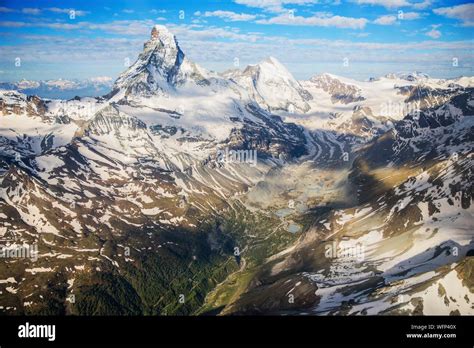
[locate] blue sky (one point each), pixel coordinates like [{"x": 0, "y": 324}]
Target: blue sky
[{"x": 373, "y": 37}]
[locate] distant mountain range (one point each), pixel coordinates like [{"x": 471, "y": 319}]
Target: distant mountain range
[
  {"x": 359, "y": 199},
  {"x": 62, "y": 89}
]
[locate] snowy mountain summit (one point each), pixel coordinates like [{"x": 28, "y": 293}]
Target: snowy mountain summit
[
  {"x": 272, "y": 86},
  {"x": 160, "y": 68}
]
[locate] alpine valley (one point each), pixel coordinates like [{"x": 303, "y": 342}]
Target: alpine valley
[{"x": 359, "y": 200}]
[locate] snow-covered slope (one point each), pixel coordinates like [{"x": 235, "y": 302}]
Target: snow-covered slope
[
  {"x": 272, "y": 86},
  {"x": 384, "y": 164},
  {"x": 166, "y": 117},
  {"x": 406, "y": 247}
]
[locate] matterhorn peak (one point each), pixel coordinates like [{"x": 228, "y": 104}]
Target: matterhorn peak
[
  {"x": 163, "y": 45},
  {"x": 161, "y": 35},
  {"x": 160, "y": 68},
  {"x": 159, "y": 30}
]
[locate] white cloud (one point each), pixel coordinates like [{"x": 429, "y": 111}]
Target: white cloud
[
  {"x": 128, "y": 11},
  {"x": 31, "y": 11},
  {"x": 385, "y": 3},
  {"x": 386, "y": 20},
  {"x": 422, "y": 5},
  {"x": 464, "y": 13},
  {"x": 392, "y": 19},
  {"x": 37, "y": 11},
  {"x": 274, "y": 5},
  {"x": 198, "y": 21},
  {"x": 14, "y": 24},
  {"x": 43, "y": 48},
  {"x": 434, "y": 33},
  {"x": 77, "y": 13},
  {"x": 142, "y": 28},
  {"x": 6, "y": 10},
  {"x": 123, "y": 27},
  {"x": 227, "y": 15},
  {"x": 318, "y": 20},
  {"x": 187, "y": 32},
  {"x": 391, "y": 4},
  {"x": 360, "y": 34},
  {"x": 411, "y": 16},
  {"x": 101, "y": 79}
]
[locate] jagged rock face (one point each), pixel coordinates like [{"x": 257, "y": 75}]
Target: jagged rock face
[
  {"x": 364, "y": 124},
  {"x": 13, "y": 103},
  {"x": 271, "y": 140},
  {"x": 426, "y": 135},
  {"x": 418, "y": 141},
  {"x": 426, "y": 97},
  {"x": 110, "y": 120},
  {"x": 340, "y": 92}
]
